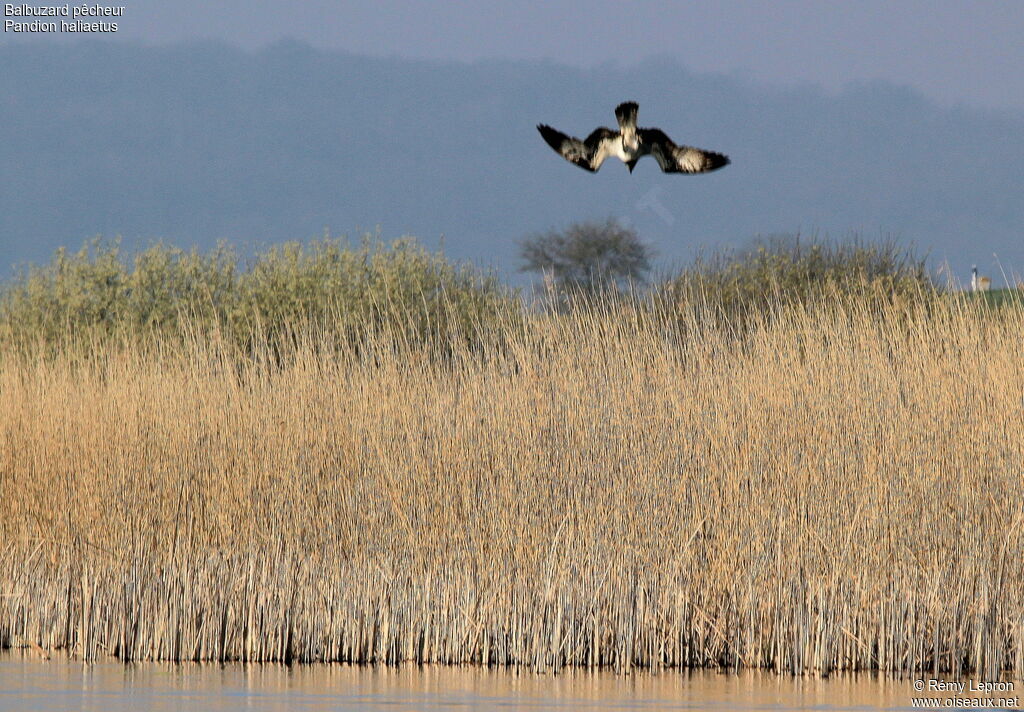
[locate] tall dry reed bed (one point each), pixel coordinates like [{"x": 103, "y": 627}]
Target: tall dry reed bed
[{"x": 834, "y": 487}]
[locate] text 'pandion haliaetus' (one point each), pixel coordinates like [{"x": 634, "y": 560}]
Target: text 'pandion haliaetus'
[{"x": 631, "y": 144}]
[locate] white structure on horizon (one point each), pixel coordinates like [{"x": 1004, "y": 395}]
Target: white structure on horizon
[{"x": 979, "y": 284}]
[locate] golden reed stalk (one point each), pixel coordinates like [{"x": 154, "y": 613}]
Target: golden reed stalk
[{"x": 831, "y": 488}]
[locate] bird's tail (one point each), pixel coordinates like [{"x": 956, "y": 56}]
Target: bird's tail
[{"x": 626, "y": 113}]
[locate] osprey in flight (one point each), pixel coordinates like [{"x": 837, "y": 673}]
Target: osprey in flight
[{"x": 631, "y": 144}]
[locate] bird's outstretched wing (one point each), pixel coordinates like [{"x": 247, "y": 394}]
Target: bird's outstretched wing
[
  {"x": 679, "y": 159},
  {"x": 588, "y": 154}
]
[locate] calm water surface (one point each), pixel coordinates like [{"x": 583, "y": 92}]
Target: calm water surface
[{"x": 29, "y": 683}]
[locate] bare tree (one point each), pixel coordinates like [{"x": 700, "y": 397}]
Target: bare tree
[{"x": 588, "y": 255}]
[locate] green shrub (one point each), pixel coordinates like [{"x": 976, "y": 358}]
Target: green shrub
[
  {"x": 401, "y": 287},
  {"x": 782, "y": 271},
  {"x": 341, "y": 289}
]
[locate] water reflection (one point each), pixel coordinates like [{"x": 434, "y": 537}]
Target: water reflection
[{"x": 28, "y": 683}]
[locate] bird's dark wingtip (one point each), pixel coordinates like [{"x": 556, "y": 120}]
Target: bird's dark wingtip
[{"x": 553, "y": 137}]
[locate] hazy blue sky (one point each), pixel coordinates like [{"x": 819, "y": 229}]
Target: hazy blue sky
[
  {"x": 952, "y": 50},
  {"x": 871, "y": 159}
]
